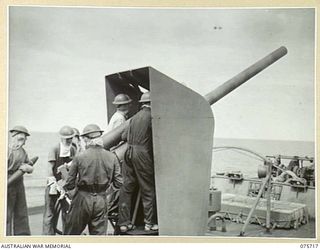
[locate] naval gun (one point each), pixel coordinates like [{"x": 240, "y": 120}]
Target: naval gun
[{"x": 182, "y": 140}]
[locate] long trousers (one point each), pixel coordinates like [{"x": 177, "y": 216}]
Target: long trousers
[
  {"x": 113, "y": 200},
  {"x": 87, "y": 209},
  {"x": 138, "y": 170},
  {"x": 17, "y": 213},
  {"x": 51, "y": 215}
]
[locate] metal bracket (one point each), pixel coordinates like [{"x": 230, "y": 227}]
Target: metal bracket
[{"x": 213, "y": 220}]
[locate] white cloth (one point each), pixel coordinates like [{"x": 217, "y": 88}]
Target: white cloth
[
  {"x": 52, "y": 184},
  {"x": 65, "y": 151},
  {"x": 96, "y": 142},
  {"x": 146, "y": 105},
  {"x": 116, "y": 120}
]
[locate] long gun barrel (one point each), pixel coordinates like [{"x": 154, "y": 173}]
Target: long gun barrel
[
  {"x": 245, "y": 75},
  {"x": 113, "y": 137}
]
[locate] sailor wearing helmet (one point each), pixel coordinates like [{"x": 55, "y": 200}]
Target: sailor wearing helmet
[
  {"x": 17, "y": 214},
  {"x": 123, "y": 103},
  {"x": 138, "y": 169},
  {"x": 60, "y": 154},
  {"x": 92, "y": 171}
]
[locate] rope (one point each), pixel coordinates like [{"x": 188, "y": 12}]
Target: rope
[
  {"x": 237, "y": 149},
  {"x": 259, "y": 156},
  {"x": 218, "y": 150},
  {"x": 250, "y": 156}
]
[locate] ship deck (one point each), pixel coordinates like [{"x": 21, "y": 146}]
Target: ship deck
[{"x": 306, "y": 231}]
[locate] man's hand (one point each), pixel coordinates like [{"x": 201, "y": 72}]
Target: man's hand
[
  {"x": 51, "y": 180},
  {"x": 62, "y": 194},
  {"x": 26, "y": 168},
  {"x": 59, "y": 187}
]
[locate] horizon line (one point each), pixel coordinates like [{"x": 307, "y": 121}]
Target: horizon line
[{"x": 237, "y": 138}]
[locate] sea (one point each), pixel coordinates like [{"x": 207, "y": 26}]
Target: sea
[{"x": 40, "y": 143}]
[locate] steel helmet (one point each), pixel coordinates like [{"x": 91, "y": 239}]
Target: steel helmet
[
  {"x": 92, "y": 129},
  {"x": 66, "y": 132},
  {"x": 20, "y": 129},
  {"x": 145, "y": 97},
  {"x": 121, "y": 99}
]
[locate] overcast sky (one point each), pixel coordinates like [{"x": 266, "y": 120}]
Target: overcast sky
[{"x": 58, "y": 58}]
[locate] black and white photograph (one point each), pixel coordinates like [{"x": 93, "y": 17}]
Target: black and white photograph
[{"x": 148, "y": 122}]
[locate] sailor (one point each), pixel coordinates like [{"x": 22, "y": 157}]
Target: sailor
[
  {"x": 294, "y": 164},
  {"x": 277, "y": 160},
  {"x": 138, "y": 169},
  {"x": 60, "y": 154},
  {"x": 277, "y": 167},
  {"x": 76, "y": 142},
  {"x": 17, "y": 214},
  {"x": 123, "y": 103},
  {"x": 95, "y": 170}
]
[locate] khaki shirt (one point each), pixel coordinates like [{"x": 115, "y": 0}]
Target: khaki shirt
[
  {"x": 95, "y": 166},
  {"x": 116, "y": 120}
]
